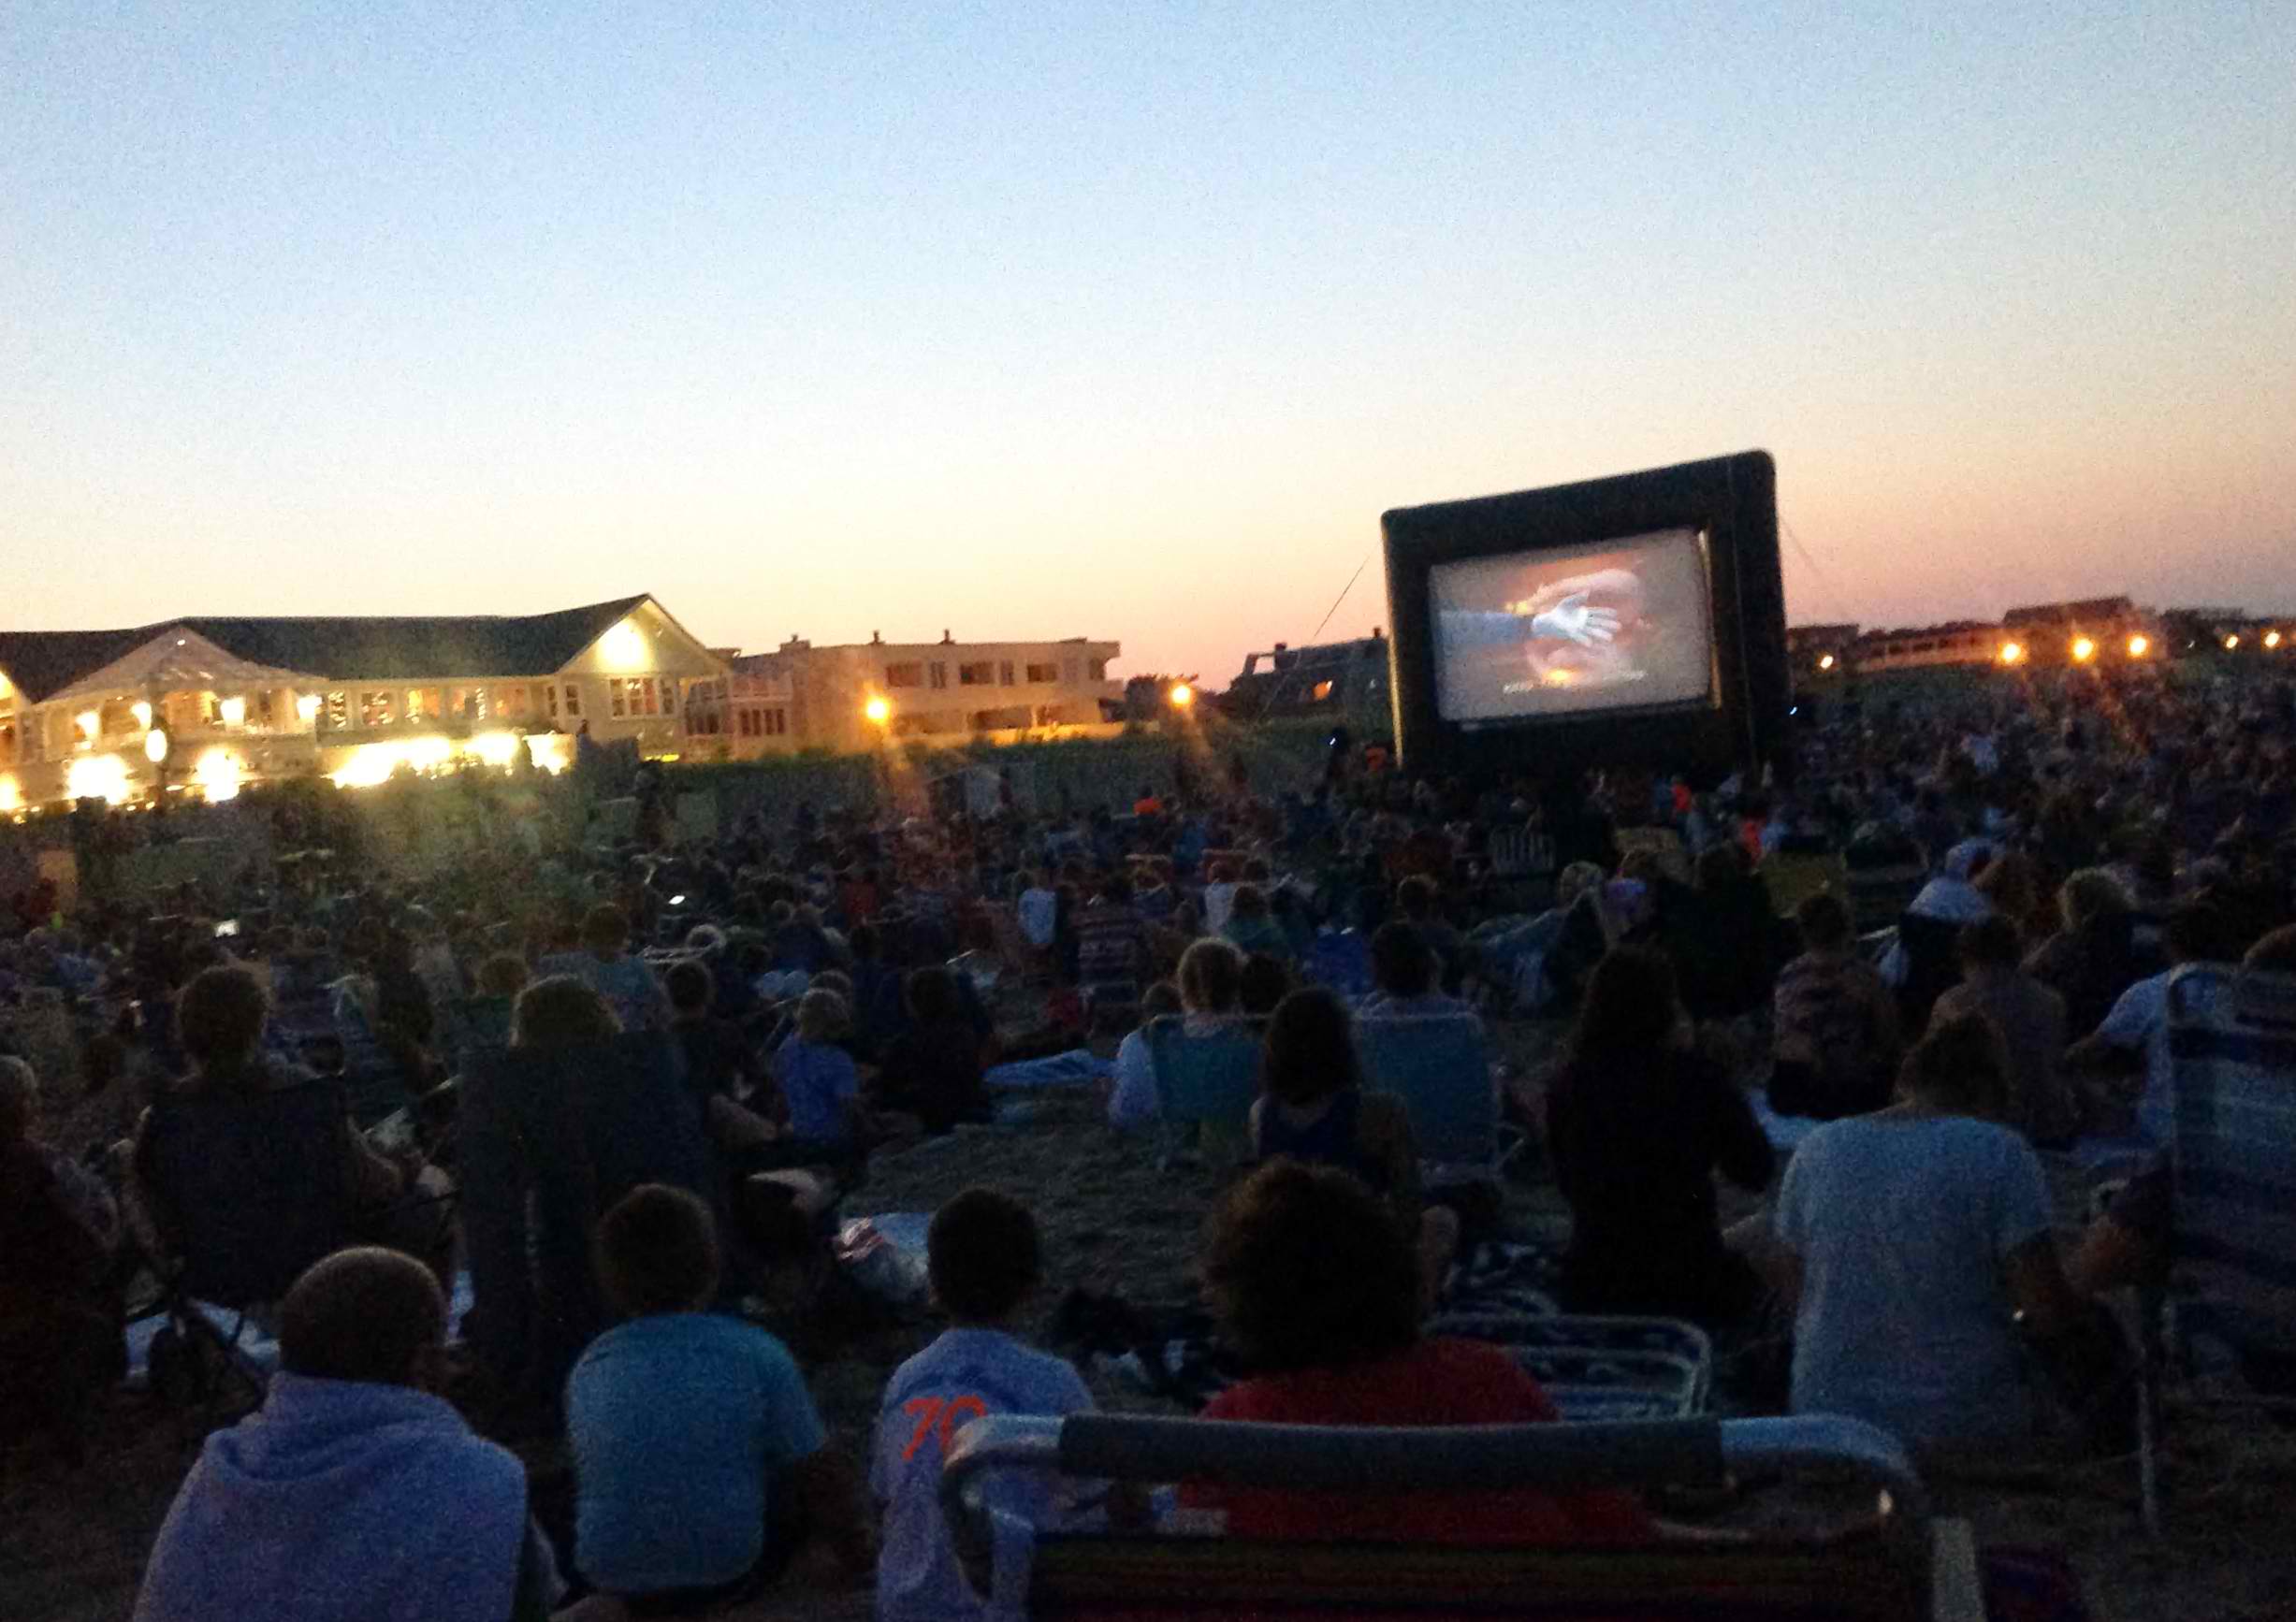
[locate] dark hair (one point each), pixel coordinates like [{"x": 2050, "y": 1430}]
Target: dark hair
[
  {"x": 1158, "y": 1000},
  {"x": 1992, "y": 940},
  {"x": 219, "y": 1018},
  {"x": 2197, "y": 933},
  {"x": 2274, "y": 954},
  {"x": 1310, "y": 1052},
  {"x": 1629, "y": 1009},
  {"x": 1304, "y": 1268},
  {"x": 1210, "y": 971},
  {"x": 865, "y": 940},
  {"x": 503, "y": 974},
  {"x": 1824, "y": 922},
  {"x": 1962, "y": 1064},
  {"x": 1250, "y": 902},
  {"x": 1116, "y": 886},
  {"x": 983, "y": 1255},
  {"x": 930, "y": 994},
  {"x": 1403, "y": 963},
  {"x": 688, "y": 985},
  {"x": 605, "y": 928},
  {"x": 1263, "y": 983},
  {"x": 656, "y": 1252},
  {"x": 365, "y": 1314},
  {"x": 1415, "y": 897},
  {"x": 561, "y": 1012}
]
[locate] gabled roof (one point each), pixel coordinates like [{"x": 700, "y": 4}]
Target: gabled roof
[{"x": 418, "y": 648}]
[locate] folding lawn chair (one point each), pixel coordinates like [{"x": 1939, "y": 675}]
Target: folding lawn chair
[
  {"x": 1600, "y": 1367},
  {"x": 2232, "y": 1176},
  {"x": 1205, "y": 1084},
  {"x": 1439, "y": 1067},
  {"x": 1910, "y": 1570}
]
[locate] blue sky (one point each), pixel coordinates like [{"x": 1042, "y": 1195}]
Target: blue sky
[{"x": 1125, "y": 321}]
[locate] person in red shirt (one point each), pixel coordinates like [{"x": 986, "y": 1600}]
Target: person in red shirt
[{"x": 1317, "y": 1289}]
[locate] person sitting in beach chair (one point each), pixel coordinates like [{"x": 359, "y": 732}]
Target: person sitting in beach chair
[{"x": 1313, "y": 1283}]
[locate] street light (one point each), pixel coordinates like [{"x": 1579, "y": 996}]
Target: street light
[
  {"x": 2012, "y": 653},
  {"x": 1181, "y": 695},
  {"x": 877, "y": 709},
  {"x": 2139, "y": 646},
  {"x": 1826, "y": 661},
  {"x": 155, "y": 746},
  {"x": 2082, "y": 650},
  {"x": 2272, "y": 639},
  {"x": 2230, "y": 643}
]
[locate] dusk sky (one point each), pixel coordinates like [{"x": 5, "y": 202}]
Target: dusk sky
[{"x": 1127, "y": 321}]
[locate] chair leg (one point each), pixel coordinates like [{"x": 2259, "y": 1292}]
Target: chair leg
[{"x": 2148, "y": 1451}]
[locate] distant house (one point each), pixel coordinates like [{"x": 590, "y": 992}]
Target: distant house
[
  {"x": 1346, "y": 681},
  {"x": 204, "y": 703}
]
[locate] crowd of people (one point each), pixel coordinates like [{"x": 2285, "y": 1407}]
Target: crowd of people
[{"x": 626, "y": 1084}]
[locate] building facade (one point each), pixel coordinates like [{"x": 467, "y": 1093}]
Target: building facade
[
  {"x": 853, "y": 696},
  {"x": 202, "y": 705}
]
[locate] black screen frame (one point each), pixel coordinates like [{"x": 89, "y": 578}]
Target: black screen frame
[{"x": 1731, "y": 500}]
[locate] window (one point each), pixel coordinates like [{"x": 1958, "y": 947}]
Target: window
[
  {"x": 911, "y": 674},
  {"x": 549, "y": 697},
  {"x": 669, "y": 695},
  {"x": 940, "y": 673},
  {"x": 510, "y": 702},
  {"x": 1043, "y": 672},
  {"x": 614, "y": 695},
  {"x": 573, "y": 699},
  {"x": 1004, "y": 673},
  {"x": 374, "y": 708},
  {"x": 337, "y": 710},
  {"x": 776, "y": 723},
  {"x": 980, "y": 673}
]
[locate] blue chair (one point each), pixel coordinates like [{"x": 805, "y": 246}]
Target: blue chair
[
  {"x": 1205, "y": 1084},
  {"x": 1339, "y": 961},
  {"x": 2233, "y": 1177},
  {"x": 1438, "y": 1066}
]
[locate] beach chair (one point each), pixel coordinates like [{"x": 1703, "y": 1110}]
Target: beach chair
[
  {"x": 2231, "y": 1296},
  {"x": 1595, "y": 1367},
  {"x": 255, "y": 1190},
  {"x": 1439, "y": 1067},
  {"x": 1910, "y": 1569},
  {"x": 1205, "y": 1084}
]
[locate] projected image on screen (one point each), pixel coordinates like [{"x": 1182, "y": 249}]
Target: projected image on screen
[{"x": 1621, "y": 624}]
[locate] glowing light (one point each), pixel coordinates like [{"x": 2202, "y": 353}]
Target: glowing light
[
  {"x": 11, "y": 797},
  {"x": 1826, "y": 661},
  {"x": 307, "y": 707},
  {"x": 2082, "y": 650},
  {"x": 2012, "y": 653},
  {"x": 494, "y": 749},
  {"x": 677, "y": 901},
  {"x": 551, "y": 751},
  {"x": 2230, "y": 643},
  {"x": 623, "y": 647},
  {"x": 234, "y": 712},
  {"x": 219, "y": 775},
  {"x": 1560, "y": 678},
  {"x": 90, "y": 725},
  {"x": 2139, "y": 646},
  {"x": 99, "y": 778},
  {"x": 143, "y": 712},
  {"x": 155, "y": 746},
  {"x": 877, "y": 709},
  {"x": 371, "y": 764},
  {"x": 2272, "y": 639},
  {"x": 1181, "y": 695}
]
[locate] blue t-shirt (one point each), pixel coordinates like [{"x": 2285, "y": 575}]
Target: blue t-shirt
[
  {"x": 1902, "y": 1224},
  {"x": 676, "y": 1419},
  {"x": 965, "y": 1375},
  {"x": 816, "y": 1079}
]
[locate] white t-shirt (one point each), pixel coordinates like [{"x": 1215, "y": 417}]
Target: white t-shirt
[
  {"x": 1901, "y": 1224},
  {"x": 965, "y": 1375},
  {"x": 2140, "y": 1019},
  {"x": 1219, "y": 901},
  {"x": 1133, "y": 1100},
  {"x": 1039, "y": 912}
]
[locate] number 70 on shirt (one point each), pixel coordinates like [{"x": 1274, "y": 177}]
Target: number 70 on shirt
[{"x": 940, "y": 1417}]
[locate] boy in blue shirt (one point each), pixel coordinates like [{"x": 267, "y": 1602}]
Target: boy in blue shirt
[
  {"x": 700, "y": 1462},
  {"x": 983, "y": 1259}
]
